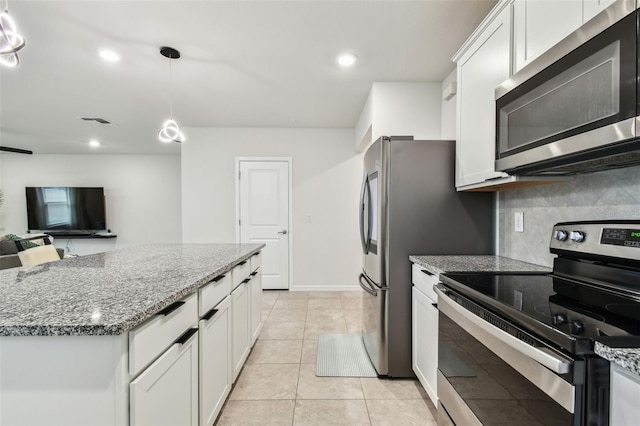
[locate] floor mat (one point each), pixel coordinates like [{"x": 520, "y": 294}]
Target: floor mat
[{"x": 343, "y": 355}]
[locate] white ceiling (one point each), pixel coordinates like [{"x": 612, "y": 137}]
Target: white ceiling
[{"x": 244, "y": 64}]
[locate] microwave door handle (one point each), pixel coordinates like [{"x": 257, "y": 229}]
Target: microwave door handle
[
  {"x": 549, "y": 359},
  {"x": 363, "y": 191}
]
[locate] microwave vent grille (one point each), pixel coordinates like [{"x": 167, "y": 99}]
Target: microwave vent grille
[{"x": 587, "y": 162}]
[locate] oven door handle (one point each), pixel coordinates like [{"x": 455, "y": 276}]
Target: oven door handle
[{"x": 544, "y": 356}]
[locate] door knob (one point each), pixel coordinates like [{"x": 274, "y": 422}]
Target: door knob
[{"x": 283, "y": 232}]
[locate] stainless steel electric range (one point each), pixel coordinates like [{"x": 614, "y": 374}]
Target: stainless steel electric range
[{"x": 517, "y": 348}]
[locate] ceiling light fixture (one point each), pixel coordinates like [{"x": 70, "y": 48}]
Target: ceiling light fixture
[
  {"x": 347, "y": 59},
  {"x": 109, "y": 55},
  {"x": 10, "y": 40},
  {"x": 94, "y": 143},
  {"x": 170, "y": 131}
]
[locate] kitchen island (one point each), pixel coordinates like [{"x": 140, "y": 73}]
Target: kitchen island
[{"x": 77, "y": 334}]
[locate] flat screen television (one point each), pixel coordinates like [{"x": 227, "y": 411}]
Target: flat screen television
[{"x": 66, "y": 210}]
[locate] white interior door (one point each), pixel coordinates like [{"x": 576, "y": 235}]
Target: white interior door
[{"x": 264, "y": 216}]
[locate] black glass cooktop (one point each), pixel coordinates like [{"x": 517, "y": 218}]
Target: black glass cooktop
[{"x": 550, "y": 306}]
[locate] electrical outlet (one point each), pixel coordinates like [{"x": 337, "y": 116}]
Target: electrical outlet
[
  {"x": 307, "y": 218},
  {"x": 518, "y": 222}
]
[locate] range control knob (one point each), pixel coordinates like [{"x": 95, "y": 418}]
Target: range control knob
[
  {"x": 560, "y": 235},
  {"x": 558, "y": 319},
  {"x": 577, "y": 236},
  {"x": 576, "y": 327}
]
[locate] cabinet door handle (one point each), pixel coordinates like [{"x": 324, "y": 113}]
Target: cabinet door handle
[
  {"x": 254, "y": 273},
  {"x": 428, "y": 273},
  {"x": 218, "y": 278},
  {"x": 172, "y": 307},
  {"x": 186, "y": 336},
  {"x": 244, "y": 262},
  {"x": 209, "y": 314},
  {"x": 246, "y": 280}
]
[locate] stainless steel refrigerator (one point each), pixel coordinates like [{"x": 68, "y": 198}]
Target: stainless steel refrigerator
[{"x": 409, "y": 205}]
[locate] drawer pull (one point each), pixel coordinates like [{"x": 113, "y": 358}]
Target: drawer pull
[
  {"x": 218, "y": 278},
  {"x": 209, "y": 314},
  {"x": 254, "y": 273},
  {"x": 246, "y": 280},
  {"x": 186, "y": 336},
  {"x": 172, "y": 307},
  {"x": 428, "y": 273},
  {"x": 244, "y": 262}
]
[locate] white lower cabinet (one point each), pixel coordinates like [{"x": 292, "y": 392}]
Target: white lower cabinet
[
  {"x": 215, "y": 361},
  {"x": 425, "y": 342},
  {"x": 256, "y": 305},
  {"x": 241, "y": 337},
  {"x": 166, "y": 392}
]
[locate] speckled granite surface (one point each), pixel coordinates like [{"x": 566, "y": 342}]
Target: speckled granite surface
[
  {"x": 108, "y": 293},
  {"x": 628, "y": 358},
  {"x": 487, "y": 263}
]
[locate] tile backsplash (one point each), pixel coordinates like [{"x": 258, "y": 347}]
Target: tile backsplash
[{"x": 613, "y": 194}]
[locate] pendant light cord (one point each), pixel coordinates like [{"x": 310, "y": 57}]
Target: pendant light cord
[{"x": 170, "y": 88}]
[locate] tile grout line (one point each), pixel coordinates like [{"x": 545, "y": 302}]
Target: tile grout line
[{"x": 295, "y": 401}]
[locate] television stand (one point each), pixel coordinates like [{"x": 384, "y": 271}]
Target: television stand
[{"x": 81, "y": 235}]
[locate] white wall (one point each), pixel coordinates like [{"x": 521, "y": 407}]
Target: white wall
[
  {"x": 363, "y": 129},
  {"x": 326, "y": 184},
  {"x": 400, "y": 109},
  {"x": 142, "y": 191},
  {"x": 448, "y": 108}
]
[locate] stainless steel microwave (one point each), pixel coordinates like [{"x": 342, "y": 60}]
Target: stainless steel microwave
[{"x": 575, "y": 108}]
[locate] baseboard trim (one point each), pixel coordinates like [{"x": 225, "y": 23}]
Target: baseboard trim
[{"x": 325, "y": 288}]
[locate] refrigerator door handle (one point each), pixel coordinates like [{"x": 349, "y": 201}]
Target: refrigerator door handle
[
  {"x": 367, "y": 286},
  {"x": 364, "y": 190}
]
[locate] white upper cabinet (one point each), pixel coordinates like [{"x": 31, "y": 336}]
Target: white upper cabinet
[
  {"x": 538, "y": 25},
  {"x": 591, "y": 8},
  {"x": 483, "y": 63}
]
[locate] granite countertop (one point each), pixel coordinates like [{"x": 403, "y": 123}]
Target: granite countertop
[
  {"x": 485, "y": 263},
  {"x": 108, "y": 293},
  {"x": 623, "y": 351}
]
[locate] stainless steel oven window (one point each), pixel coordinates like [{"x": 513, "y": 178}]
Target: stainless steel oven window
[
  {"x": 479, "y": 385},
  {"x": 584, "y": 93}
]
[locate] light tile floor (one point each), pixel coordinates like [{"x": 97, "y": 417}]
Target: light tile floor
[{"x": 278, "y": 385}]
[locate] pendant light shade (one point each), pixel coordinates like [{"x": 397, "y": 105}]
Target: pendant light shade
[
  {"x": 10, "y": 40},
  {"x": 170, "y": 131}
]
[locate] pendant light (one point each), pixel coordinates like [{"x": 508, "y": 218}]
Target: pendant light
[
  {"x": 10, "y": 40},
  {"x": 170, "y": 131}
]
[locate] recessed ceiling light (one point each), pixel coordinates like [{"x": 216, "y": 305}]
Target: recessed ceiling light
[
  {"x": 347, "y": 59},
  {"x": 109, "y": 55},
  {"x": 94, "y": 143}
]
